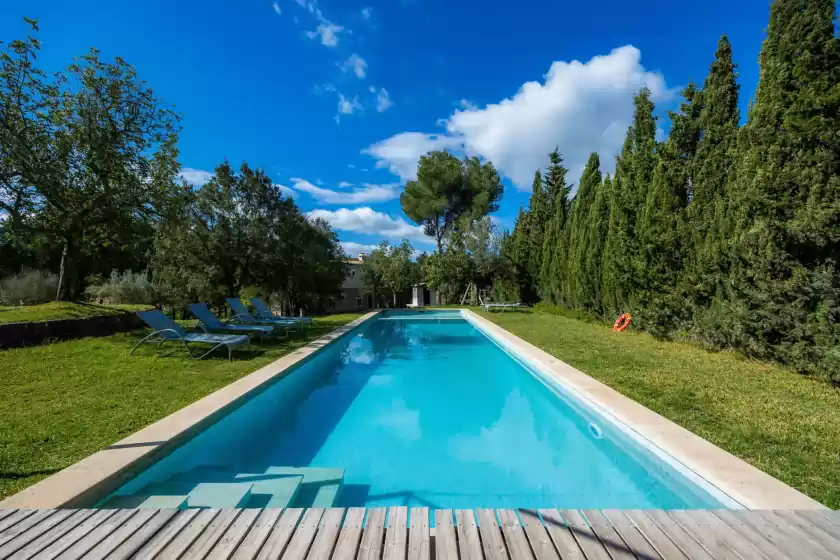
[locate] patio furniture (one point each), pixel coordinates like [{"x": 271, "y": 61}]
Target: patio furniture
[
  {"x": 263, "y": 311},
  {"x": 243, "y": 315},
  {"x": 168, "y": 330},
  {"x": 209, "y": 322},
  {"x": 502, "y": 306}
]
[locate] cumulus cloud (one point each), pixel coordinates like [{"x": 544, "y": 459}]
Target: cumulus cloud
[
  {"x": 328, "y": 32},
  {"x": 276, "y": 8},
  {"x": 366, "y": 194},
  {"x": 399, "y": 153},
  {"x": 580, "y": 106},
  {"x": 383, "y": 100},
  {"x": 367, "y": 221},
  {"x": 195, "y": 177},
  {"x": 353, "y": 249},
  {"x": 356, "y": 64}
]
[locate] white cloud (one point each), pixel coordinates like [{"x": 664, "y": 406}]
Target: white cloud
[
  {"x": 353, "y": 249},
  {"x": 328, "y": 32},
  {"x": 195, "y": 177},
  {"x": 366, "y": 194},
  {"x": 356, "y": 64},
  {"x": 348, "y": 106},
  {"x": 287, "y": 191},
  {"x": 344, "y": 185},
  {"x": 367, "y": 221},
  {"x": 467, "y": 104},
  {"x": 276, "y": 8},
  {"x": 367, "y": 12},
  {"x": 383, "y": 100},
  {"x": 399, "y": 153},
  {"x": 580, "y": 106}
]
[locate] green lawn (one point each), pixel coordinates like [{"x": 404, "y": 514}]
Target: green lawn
[
  {"x": 783, "y": 423},
  {"x": 64, "y": 401},
  {"x": 61, "y": 310}
]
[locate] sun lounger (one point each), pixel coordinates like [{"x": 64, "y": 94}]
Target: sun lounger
[
  {"x": 263, "y": 311},
  {"x": 502, "y": 306},
  {"x": 210, "y": 323},
  {"x": 244, "y": 316},
  {"x": 168, "y": 330}
]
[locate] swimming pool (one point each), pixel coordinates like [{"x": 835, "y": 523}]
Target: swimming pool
[{"x": 418, "y": 409}]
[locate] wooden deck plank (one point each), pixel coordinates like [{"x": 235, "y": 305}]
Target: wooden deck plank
[
  {"x": 47, "y": 538},
  {"x": 491, "y": 535},
  {"x": 735, "y": 539},
  {"x": 469, "y": 545},
  {"x": 82, "y": 546},
  {"x": 25, "y": 524},
  {"x": 515, "y": 539},
  {"x": 768, "y": 549},
  {"x": 4, "y": 513},
  {"x": 373, "y": 535},
  {"x": 709, "y": 539},
  {"x": 188, "y": 535},
  {"x": 226, "y": 546},
  {"x": 789, "y": 539},
  {"x": 350, "y": 535},
  {"x": 813, "y": 517},
  {"x": 280, "y": 536},
  {"x": 635, "y": 541},
  {"x": 211, "y": 535},
  {"x": 586, "y": 538},
  {"x": 419, "y": 546},
  {"x": 325, "y": 540},
  {"x": 162, "y": 538},
  {"x": 33, "y": 532},
  {"x": 143, "y": 534},
  {"x": 537, "y": 535},
  {"x": 257, "y": 534},
  {"x": 446, "y": 545},
  {"x": 617, "y": 548},
  {"x": 17, "y": 516},
  {"x": 560, "y": 534},
  {"x": 673, "y": 531},
  {"x": 396, "y": 534},
  {"x": 115, "y": 538},
  {"x": 78, "y": 532},
  {"x": 304, "y": 535},
  {"x": 816, "y": 534},
  {"x": 648, "y": 530}
]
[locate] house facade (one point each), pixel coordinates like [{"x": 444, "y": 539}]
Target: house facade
[{"x": 355, "y": 296}]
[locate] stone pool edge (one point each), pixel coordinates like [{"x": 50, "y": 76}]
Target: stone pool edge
[
  {"x": 84, "y": 483},
  {"x": 749, "y": 486}
]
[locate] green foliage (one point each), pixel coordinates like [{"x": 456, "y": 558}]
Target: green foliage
[
  {"x": 28, "y": 288},
  {"x": 598, "y": 223},
  {"x": 579, "y": 290},
  {"x": 128, "y": 287},
  {"x": 447, "y": 189},
  {"x": 390, "y": 267}
]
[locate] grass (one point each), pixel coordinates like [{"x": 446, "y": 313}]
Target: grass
[
  {"x": 786, "y": 424},
  {"x": 62, "y": 402},
  {"x": 61, "y": 310}
]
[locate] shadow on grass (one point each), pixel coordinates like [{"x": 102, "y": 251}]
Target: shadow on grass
[{"x": 10, "y": 475}]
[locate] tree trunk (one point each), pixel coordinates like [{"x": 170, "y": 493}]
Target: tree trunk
[
  {"x": 61, "y": 270},
  {"x": 395, "y": 299}
]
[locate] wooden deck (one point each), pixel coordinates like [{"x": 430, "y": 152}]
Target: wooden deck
[{"x": 400, "y": 533}]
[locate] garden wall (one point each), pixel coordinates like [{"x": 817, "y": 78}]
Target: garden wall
[{"x": 16, "y": 335}]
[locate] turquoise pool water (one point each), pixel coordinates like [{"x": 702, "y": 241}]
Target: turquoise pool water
[{"x": 423, "y": 409}]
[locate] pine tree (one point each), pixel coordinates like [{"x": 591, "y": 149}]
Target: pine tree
[
  {"x": 598, "y": 223},
  {"x": 661, "y": 226},
  {"x": 579, "y": 233},
  {"x": 706, "y": 258},
  {"x": 553, "y": 271},
  {"x": 785, "y": 297}
]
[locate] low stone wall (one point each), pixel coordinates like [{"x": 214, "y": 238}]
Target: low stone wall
[{"x": 16, "y": 335}]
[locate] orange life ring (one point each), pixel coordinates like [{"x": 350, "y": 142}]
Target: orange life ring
[{"x": 622, "y": 322}]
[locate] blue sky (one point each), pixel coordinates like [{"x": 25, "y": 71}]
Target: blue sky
[{"x": 336, "y": 100}]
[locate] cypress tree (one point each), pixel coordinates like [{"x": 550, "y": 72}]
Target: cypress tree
[
  {"x": 520, "y": 255},
  {"x": 538, "y": 210},
  {"x": 597, "y": 224},
  {"x": 579, "y": 232},
  {"x": 554, "y": 250},
  {"x": 785, "y": 297},
  {"x": 617, "y": 272},
  {"x": 661, "y": 227}
]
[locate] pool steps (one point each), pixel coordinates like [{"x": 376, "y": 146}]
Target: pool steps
[{"x": 278, "y": 487}]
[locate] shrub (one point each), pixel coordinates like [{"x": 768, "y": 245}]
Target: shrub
[
  {"x": 128, "y": 287},
  {"x": 28, "y": 287}
]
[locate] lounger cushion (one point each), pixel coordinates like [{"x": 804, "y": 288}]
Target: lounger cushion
[{"x": 229, "y": 339}]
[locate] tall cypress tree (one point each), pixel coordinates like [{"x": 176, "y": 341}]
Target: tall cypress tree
[
  {"x": 520, "y": 255},
  {"x": 579, "y": 232},
  {"x": 555, "y": 243},
  {"x": 661, "y": 226},
  {"x": 539, "y": 210},
  {"x": 616, "y": 271},
  {"x": 598, "y": 223},
  {"x": 785, "y": 296}
]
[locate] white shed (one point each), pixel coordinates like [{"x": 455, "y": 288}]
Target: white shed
[{"x": 422, "y": 296}]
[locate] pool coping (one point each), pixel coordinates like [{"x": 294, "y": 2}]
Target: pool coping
[
  {"x": 86, "y": 482},
  {"x": 734, "y": 477}
]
